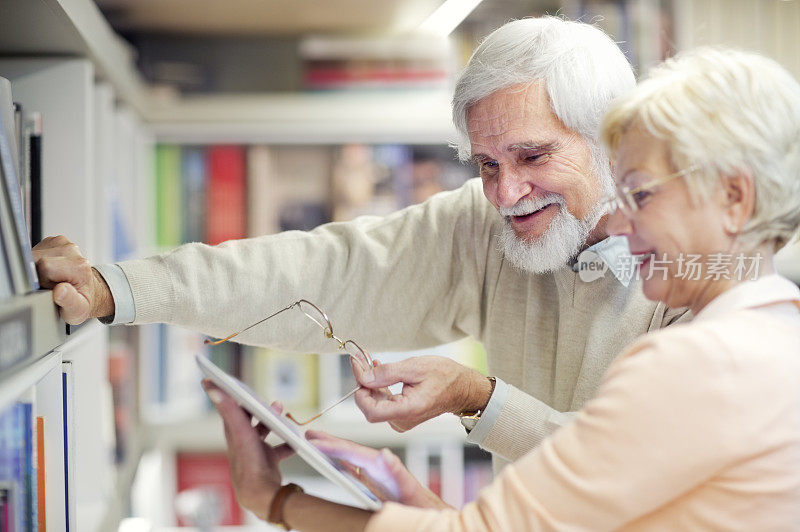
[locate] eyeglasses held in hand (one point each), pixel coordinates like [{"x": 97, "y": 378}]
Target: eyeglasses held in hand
[{"x": 312, "y": 312}]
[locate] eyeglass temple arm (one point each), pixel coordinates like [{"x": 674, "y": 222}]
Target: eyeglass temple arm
[
  {"x": 306, "y": 422},
  {"x": 217, "y": 342}
]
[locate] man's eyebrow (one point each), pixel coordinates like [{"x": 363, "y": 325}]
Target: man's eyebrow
[
  {"x": 533, "y": 145},
  {"x": 551, "y": 145}
]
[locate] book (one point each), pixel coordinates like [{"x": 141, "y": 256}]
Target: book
[
  {"x": 33, "y": 130},
  {"x": 68, "y": 400},
  {"x": 169, "y": 215},
  {"x": 17, "y": 464},
  {"x": 9, "y": 164},
  {"x": 8, "y": 495},
  {"x": 24, "y": 173},
  {"x": 209, "y": 471},
  {"x": 193, "y": 176},
  {"x": 294, "y": 377},
  {"x": 226, "y": 217},
  {"x": 262, "y": 193},
  {"x": 122, "y": 377},
  {"x": 40, "y": 470},
  {"x": 12, "y": 257},
  {"x": 6, "y": 280}
]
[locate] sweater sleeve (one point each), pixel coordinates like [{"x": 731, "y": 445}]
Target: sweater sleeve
[
  {"x": 522, "y": 423},
  {"x": 410, "y": 280},
  {"x": 653, "y": 433}
]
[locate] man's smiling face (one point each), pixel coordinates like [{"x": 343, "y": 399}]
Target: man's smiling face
[{"x": 533, "y": 167}]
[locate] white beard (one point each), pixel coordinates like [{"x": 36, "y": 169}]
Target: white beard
[{"x": 559, "y": 244}]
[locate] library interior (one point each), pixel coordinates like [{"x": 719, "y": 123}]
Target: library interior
[{"x": 159, "y": 145}]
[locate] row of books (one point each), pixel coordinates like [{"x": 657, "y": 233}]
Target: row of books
[
  {"x": 200, "y": 194},
  {"x": 216, "y": 193},
  {"x": 20, "y": 155},
  {"x": 22, "y": 491},
  {"x": 407, "y": 62}
]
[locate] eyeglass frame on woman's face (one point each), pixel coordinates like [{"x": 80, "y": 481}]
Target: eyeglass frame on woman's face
[
  {"x": 625, "y": 198},
  {"x": 349, "y": 346}
]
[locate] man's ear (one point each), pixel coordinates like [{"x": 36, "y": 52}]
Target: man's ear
[{"x": 739, "y": 200}]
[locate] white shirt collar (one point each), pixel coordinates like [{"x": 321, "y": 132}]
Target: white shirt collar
[
  {"x": 615, "y": 253},
  {"x": 760, "y": 292}
]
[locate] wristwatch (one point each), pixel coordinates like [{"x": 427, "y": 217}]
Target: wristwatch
[
  {"x": 275, "y": 515},
  {"x": 470, "y": 419}
]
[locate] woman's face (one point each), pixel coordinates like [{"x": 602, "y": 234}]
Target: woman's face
[{"x": 669, "y": 231}]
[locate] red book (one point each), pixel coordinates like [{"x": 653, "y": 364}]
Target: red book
[
  {"x": 209, "y": 470},
  {"x": 226, "y": 205}
]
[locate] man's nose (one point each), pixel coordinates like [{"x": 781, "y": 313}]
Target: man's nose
[
  {"x": 511, "y": 188},
  {"x": 618, "y": 223}
]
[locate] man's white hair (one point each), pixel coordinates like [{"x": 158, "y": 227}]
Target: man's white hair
[
  {"x": 726, "y": 112},
  {"x": 583, "y": 70}
]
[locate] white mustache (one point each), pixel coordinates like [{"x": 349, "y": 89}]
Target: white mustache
[{"x": 529, "y": 205}]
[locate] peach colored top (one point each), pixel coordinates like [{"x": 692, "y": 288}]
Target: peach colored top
[{"x": 695, "y": 427}]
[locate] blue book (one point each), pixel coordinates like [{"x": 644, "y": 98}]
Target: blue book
[
  {"x": 193, "y": 179},
  {"x": 65, "y": 382},
  {"x": 17, "y": 475}
]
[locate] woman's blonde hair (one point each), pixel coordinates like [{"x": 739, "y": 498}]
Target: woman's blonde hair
[{"x": 727, "y": 112}]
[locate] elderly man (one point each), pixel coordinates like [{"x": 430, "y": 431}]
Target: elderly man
[{"x": 527, "y": 108}]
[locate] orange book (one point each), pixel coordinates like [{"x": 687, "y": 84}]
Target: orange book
[{"x": 42, "y": 516}]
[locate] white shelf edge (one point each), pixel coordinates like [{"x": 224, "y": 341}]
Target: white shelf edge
[
  {"x": 205, "y": 433},
  {"x": 15, "y": 384},
  {"x": 420, "y": 117}
]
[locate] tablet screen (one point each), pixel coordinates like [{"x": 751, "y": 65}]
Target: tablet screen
[{"x": 288, "y": 432}]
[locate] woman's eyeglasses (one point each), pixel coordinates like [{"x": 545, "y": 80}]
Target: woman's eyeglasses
[
  {"x": 312, "y": 312},
  {"x": 631, "y": 199}
]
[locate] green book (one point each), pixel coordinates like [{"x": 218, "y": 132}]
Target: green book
[{"x": 169, "y": 204}]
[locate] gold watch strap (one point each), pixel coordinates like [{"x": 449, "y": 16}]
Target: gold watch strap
[{"x": 470, "y": 419}]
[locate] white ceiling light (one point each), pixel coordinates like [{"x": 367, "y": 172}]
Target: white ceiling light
[{"x": 449, "y": 15}]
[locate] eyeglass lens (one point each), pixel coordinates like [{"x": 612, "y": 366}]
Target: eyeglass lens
[
  {"x": 316, "y": 315},
  {"x": 358, "y": 355}
]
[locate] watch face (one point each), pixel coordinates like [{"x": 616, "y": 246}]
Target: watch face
[{"x": 469, "y": 422}]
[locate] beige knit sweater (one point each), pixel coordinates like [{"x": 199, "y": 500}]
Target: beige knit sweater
[{"x": 424, "y": 276}]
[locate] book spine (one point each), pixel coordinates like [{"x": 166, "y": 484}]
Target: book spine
[
  {"x": 193, "y": 169},
  {"x": 35, "y": 163},
  {"x": 14, "y": 200},
  {"x": 168, "y": 192},
  {"x": 227, "y": 206}
]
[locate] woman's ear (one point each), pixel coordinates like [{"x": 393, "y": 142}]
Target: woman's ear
[{"x": 739, "y": 201}]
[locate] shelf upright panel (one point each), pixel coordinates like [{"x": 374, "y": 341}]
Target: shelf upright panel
[{"x": 93, "y": 435}]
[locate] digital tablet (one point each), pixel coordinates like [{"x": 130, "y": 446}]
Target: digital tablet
[{"x": 248, "y": 400}]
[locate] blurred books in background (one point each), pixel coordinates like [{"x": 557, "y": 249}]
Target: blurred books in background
[
  {"x": 404, "y": 62},
  {"x": 216, "y": 193}
]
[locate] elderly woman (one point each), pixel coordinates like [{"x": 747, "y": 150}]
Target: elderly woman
[{"x": 694, "y": 427}]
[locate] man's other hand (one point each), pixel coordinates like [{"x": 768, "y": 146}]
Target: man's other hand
[
  {"x": 78, "y": 289},
  {"x": 432, "y": 386}
]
